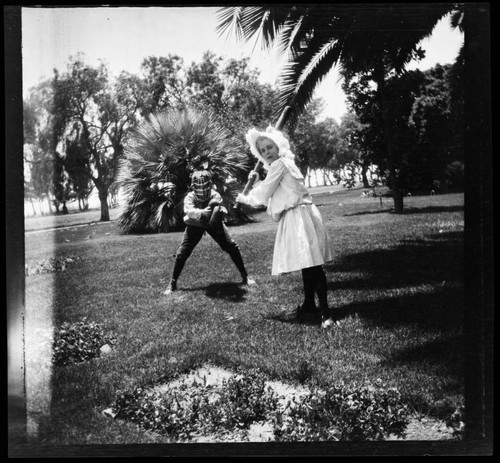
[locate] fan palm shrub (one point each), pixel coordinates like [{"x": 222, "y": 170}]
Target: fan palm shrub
[{"x": 159, "y": 159}]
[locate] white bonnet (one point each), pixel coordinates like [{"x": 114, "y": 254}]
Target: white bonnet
[{"x": 276, "y": 136}]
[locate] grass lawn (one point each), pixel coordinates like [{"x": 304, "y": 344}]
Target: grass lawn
[{"x": 396, "y": 280}]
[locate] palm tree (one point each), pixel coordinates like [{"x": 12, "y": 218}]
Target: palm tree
[
  {"x": 159, "y": 159},
  {"x": 359, "y": 38}
]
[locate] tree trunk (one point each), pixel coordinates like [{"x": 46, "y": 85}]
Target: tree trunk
[
  {"x": 32, "y": 207},
  {"x": 330, "y": 179},
  {"x": 329, "y": 176},
  {"x": 326, "y": 177},
  {"x": 49, "y": 203},
  {"x": 103, "y": 198},
  {"x": 40, "y": 206},
  {"x": 397, "y": 194},
  {"x": 364, "y": 177}
]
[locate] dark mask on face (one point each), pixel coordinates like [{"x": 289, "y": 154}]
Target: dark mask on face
[{"x": 201, "y": 183}]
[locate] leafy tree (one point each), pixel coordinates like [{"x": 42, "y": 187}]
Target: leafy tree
[
  {"x": 205, "y": 86},
  {"x": 160, "y": 157},
  {"x": 38, "y": 182},
  {"x": 316, "y": 144},
  {"x": 94, "y": 114},
  {"x": 400, "y": 94},
  {"x": 355, "y": 155},
  {"x": 76, "y": 163},
  {"x": 232, "y": 92},
  {"x": 455, "y": 76},
  {"x": 303, "y": 138},
  {"x": 162, "y": 84},
  {"x": 379, "y": 39},
  {"x": 39, "y": 143},
  {"x": 440, "y": 137},
  {"x": 62, "y": 185},
  {"x": 426, "y": 137}
]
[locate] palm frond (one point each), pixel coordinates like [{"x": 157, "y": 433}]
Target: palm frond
[
  {"x": 299, "y": 78},
  {"x": 347, "y": 34},
  {"x": 457, "y": 18},
  {"x": 228, "y": 19},
  {"x": 260, "y": 23}
]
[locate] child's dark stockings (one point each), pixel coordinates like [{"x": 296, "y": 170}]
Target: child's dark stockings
[{"x": 314, "y": 279}]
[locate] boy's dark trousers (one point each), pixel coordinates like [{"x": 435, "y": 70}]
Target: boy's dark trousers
[{"x": 192, "y": 236}]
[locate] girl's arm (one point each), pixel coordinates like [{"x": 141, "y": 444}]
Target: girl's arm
[{"x": 265, "y": 189}]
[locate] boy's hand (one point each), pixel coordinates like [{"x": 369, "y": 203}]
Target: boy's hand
[
  {"x": 206, "y": 214},
  {"x": 213, "y": 203}
]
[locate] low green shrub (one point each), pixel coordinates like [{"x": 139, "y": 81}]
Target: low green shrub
[
  {"x": 51, "y": 265},
  {"x": 364, "y": 414},
  {"x": 199, "y": 409},
  {"x": 79, "y": 342},
  {"x": 456, "y": 421},
  {"x": 343, "y": 414}
]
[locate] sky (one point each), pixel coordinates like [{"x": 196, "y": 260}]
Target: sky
[{"x": 123, "y": 36}]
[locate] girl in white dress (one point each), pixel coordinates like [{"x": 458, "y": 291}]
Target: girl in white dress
[{"x": 302, "y": 242}]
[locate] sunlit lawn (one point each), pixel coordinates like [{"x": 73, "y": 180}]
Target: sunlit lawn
[{"x": 396, "y": 280}]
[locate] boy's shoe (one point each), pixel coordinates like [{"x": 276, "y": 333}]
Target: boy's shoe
[
  {"x": 327, "y": 321},
  {"x": 171, "y": 288},
  {"x": 248, "y": 281}
]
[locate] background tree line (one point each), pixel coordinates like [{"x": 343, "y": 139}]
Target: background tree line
[{"x": 77, "y": 125}]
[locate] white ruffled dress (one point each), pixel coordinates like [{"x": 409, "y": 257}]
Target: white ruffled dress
[{"x": 301, "y": 239}]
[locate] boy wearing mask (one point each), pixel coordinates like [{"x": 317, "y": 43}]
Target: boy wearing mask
[{"x": 204, "y": 212}]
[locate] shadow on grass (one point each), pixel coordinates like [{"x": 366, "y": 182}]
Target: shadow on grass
[
  {"x": 424, "y": 279},
  {"x": 290, "y": 317},
  {"x": 412, "y": 210},
  {"x": 413, "y": 262},
  {"x": 233, "y": 292},
  {"x": 447, "y": 352},
  {"x": 441, "y": 310},
  {"x": 437, "y": 261}
]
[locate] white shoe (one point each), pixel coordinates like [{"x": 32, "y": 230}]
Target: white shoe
[
  {"x": 249, "y": 281},
  {"x": 327, "y": 323},
  {"x": 171, "y": 288}
]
